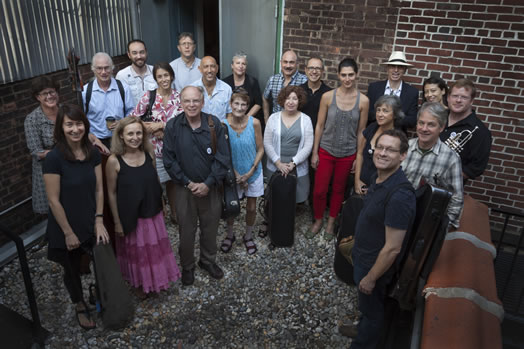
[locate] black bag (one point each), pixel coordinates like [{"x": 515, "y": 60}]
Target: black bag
[
  {"x": 230, "y": 201},
  {"x": 280, "y": 205},
  {"x": 348, "y": 220},
  {"x": 113, "y": 299}
]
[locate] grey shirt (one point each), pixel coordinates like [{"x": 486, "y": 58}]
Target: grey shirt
[{"x": 340, "y": 130}]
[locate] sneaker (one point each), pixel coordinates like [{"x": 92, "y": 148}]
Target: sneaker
[
  {"x": 348, "y": 330},
  {"x": 213, "y": 269},
  {"x": 188, "y": 276}
]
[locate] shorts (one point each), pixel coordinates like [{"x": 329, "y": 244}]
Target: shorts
[{"x": 254, "y": 189}]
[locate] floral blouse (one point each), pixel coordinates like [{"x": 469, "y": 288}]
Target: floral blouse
[{"x": 159, "y": 113}]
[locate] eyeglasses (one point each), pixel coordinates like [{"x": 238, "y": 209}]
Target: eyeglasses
[
  {"x": 459, "y": 97},
  {"x": 107, "y": 68},
  {"x": 388, "y": 150},
  {"x": 186, "y": 43},
  {"x": 52, "y": 93},
  {"x": 314, "y": 68}
]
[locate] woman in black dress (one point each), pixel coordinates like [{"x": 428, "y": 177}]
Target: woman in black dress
[{"x": 73, "y": 181}]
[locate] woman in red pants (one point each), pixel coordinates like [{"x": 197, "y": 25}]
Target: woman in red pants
[{"x": 341, "y": 118}]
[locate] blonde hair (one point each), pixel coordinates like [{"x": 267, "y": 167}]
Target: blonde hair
[{"x": 118, "y": 146}]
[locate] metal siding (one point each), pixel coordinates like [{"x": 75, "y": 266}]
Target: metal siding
[{"x": 37, "y": 34}]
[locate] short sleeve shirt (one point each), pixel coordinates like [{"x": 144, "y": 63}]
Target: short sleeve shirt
[
  {"x": 376, "y": 214},
  {"x": 275, "y": 84},
  {"x": 77, "y": 195}
]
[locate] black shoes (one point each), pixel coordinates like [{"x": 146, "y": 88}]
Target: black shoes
[
  {"x": 213, "y": 270},
  {"x": 188, "y": 277},
  {"x": 348, "y": 330}
]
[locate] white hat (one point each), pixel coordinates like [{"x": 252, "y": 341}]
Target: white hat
[{"x": 398, "y": 58}]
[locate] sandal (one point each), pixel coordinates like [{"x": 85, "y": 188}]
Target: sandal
[
  {"x": 227, "y": 244},
  {"x": 252, "y": 248},
  {"x": 262, "y": 233},
  {"x": 86, "y": 313}
]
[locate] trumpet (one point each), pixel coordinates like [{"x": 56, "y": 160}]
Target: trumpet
[{"x": 456, "y": 142}]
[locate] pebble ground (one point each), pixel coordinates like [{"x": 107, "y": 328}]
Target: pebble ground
[{"x": 281, "y": 298}]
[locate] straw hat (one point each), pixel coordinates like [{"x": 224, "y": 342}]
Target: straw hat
[{"x": 398, "y": 58}]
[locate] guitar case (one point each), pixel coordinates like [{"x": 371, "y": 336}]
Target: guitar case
[
  {"x": 347, "y": 222},
  {"x": 113, "y": 300},
  {"x": 281, "y": 204}
]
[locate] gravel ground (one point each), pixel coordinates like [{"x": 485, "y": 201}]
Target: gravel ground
[{"x": 282, "y": 298}]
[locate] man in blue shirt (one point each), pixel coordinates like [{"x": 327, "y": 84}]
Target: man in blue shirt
[
  {"x": 106, "y": 99},
  {"x": 389, "y": 209},
  {"x": 217, "y": 93}
]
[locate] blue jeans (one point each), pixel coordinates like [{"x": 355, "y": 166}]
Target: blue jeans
[{"x": 372, "y": 310}]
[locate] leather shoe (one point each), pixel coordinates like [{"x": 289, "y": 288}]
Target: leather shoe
[
  {"x": 348, "y": 330},
  {"x": 213, "y": 269},
  {"x": 188, "y": 276}
]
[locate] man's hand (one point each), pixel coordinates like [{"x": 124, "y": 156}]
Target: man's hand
[
  {"x": 367, "y": 284},
  {"x": 198, "y": 189}
]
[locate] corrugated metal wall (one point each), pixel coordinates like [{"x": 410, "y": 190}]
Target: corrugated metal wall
[{"x": 37, "y": 34}]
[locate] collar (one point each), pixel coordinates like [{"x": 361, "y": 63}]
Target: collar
[
  {"x": 389, "y": 182},
  {"x": 468, "y": 120},
  {"x": 134, "y": 74},
  {"x": 204, "y": 126},
  {"x": 112, "y": 85},
  {"x": 399, "y": 88},
  {"x": 435, "y": 149},
  {"x": 292, "y": 76}
]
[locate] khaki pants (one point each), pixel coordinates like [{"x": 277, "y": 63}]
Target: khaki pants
[{"x": 192, "y": 212}]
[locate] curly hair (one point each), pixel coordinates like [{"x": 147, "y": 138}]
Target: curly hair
[{"x": 289, "y": 89}]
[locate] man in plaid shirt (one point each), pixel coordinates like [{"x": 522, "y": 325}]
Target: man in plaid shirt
[
  {"x": 288, "y": 76},
  {"x": 428, "y": 156}
]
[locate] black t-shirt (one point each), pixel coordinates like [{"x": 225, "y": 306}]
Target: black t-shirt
[
  {"x": 475, "y": 153},
  {"x": 313, "y": 101},
  {"x": 77, "y": 195}
]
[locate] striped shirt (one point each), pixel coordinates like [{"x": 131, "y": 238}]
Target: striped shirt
[
  {"x": 443, "y": 162},
  {"x": 275, "y": 84}
]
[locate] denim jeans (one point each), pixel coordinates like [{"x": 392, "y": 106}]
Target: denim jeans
[{"x": 372, "y": 310}]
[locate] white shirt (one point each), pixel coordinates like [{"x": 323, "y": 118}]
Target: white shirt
[
  {"x": 389, "y": 91},
  {"x": 137, "y": 84},
  {"x": 185, "y": 75}
]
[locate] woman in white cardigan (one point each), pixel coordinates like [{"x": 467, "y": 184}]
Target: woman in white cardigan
[{"x": 288, "y": 139}]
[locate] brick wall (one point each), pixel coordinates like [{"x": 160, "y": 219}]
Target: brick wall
[
  {"x": 482, "y": 40},
  {"x": 15, "y": 172}
]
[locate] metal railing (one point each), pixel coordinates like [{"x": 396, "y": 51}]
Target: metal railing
[
  {"x": 509, "y": 263},
  {"x": 39, "y": 334}
]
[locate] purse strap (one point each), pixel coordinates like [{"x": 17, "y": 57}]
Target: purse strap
[{"x": 211, "y": 125}]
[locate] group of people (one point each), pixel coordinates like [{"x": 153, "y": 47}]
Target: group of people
[{"x": 167, "y": 124}]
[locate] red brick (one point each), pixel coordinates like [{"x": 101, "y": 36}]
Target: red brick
[{"x": 496, "y": 25}]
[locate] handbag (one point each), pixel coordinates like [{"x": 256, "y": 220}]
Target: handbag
[
  {"x": 228, "y": 187},
  {"x": 147, "y": 116}
]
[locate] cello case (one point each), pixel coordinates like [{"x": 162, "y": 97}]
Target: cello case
[{"x": 281, "y": 196}]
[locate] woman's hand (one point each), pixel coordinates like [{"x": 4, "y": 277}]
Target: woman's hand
[
  {"x": 72, "y": 241},
  {"x": 101, "y": 232},
  {"x": 360, "y": 187},
  {"x": 119, "y": 230},
  {"x": 314, "y": 160}
]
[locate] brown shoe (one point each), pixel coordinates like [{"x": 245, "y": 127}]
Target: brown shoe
[{"x": 348, "y": 330}]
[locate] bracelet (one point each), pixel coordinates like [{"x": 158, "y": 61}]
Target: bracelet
[{"x": 99, "y": 215}]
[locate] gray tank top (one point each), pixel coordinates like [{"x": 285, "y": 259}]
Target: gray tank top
[{"x": 340, "y": 130}]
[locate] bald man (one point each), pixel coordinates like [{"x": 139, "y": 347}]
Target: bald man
[
  {"x": 289, "y": 75},
  {"x": 216, "y": 92}
]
